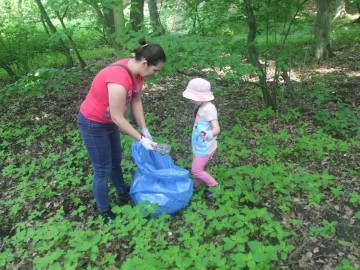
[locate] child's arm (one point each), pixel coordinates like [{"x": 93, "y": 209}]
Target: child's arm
[
  {"x": 215, "y": 127},
  {"x": 214, "y": 131}
]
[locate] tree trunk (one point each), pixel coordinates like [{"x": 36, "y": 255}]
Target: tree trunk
[
  {"x": 323, "y": 47},
  {"x": 9, "y": 70},
  {"x": 289, "y": 86},
  {"x": 109, "y": 19},
  {"x": 154, "y": 17},
  {"x": 109, "y": 22},
  {"x": 137, "y": 13},
  {"x": 64, "y": 48},
  {"x": 251, "y": 20},
  {"x": 71, "y": 41},
  {"x": 119, "y": 24},
  {"x": 45, "y": 26}
]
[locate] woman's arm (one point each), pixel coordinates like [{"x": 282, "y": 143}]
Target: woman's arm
[
  {"x": 138, "y": 111},
  {"x": 117, "y": 103}
]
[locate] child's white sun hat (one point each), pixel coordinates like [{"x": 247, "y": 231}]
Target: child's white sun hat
[{"x": 198, "y": 90}]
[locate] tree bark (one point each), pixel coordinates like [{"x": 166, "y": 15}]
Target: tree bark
[
  {"x": 64, "y": 48},
  {"x": 45, "y": 26},
  {"x": 119, "y": 24},
  {"x": 323, "y": 47},
  {"x": 9, "y": 70},
  {"x": 154, "y": 17},
  {"x": 109, "y": 23},
  {"x": 137, "y": 13},
  {"x": 251, "y": 20},
  {"x": 290, "y": 87},
  {"x": 71, "y": 41}
]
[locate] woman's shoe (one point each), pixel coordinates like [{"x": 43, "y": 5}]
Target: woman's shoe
[
  {"x": 107, "y": 216},
  {"x": 124, "y": 199}
]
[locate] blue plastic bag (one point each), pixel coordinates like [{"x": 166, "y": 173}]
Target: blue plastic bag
[{"x": 159, "y": 181}]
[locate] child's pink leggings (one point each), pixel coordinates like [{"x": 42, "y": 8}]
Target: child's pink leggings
[{"x": 197, "y": 169}]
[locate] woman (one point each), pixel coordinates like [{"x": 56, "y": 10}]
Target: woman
[{"x": 102, "y": 114}]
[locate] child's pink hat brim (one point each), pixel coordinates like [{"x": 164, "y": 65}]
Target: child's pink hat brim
[
  {"x": 196, "y": 96},
  {"x": 198, "y": 90}
]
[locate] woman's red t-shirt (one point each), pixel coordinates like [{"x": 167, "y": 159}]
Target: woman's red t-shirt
[{"x": 96, "y": 104}]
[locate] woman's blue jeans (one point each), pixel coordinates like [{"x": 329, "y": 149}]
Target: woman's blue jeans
[{"x": 104, "y": 147}]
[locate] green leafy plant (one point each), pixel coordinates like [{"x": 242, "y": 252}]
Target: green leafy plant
[
  {"x": 40, "y": 82},
  {"x": 275, "y": 168},
  {"x": 343, "y": 122},
  {"x": 327, "y": 230},
  {"x": 317, "y": 145},
  {"x": 320, "y": 94},
  {"x": 345, "y": 265},
  {"x": 354, "y": 198}
]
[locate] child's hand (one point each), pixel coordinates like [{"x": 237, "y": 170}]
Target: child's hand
[{"x": 207, "y": 135}]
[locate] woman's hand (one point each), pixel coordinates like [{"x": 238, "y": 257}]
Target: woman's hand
[
  {"x": 147, "y": 143},
  {"x": 145, "y": 132}
]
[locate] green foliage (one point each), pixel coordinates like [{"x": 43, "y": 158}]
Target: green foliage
[
  {"x": 212, "y": 55},
  {"x": 20, "y": 44},
  {"x": 343, "y": 30},
  {"x": 345, "y": 265},
  {"x": 354, "y": 198},
  {"x": 236, "y": 231},
  {"x": 266, "y": 174},
  {"x": 291, "y": 115},
  {"x": 43, "y": 81},
  {"x": 317, "y": 145},
  {"x": 343, "y": 122},
  {"x": 327, "y": 230}
]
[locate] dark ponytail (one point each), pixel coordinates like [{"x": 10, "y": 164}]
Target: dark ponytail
[{"x": 153, "y": 53}]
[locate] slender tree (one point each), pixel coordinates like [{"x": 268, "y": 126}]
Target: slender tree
[
  {"x": 71, "y": 41},
  {"x": 119, "y": 22},
  {"x": 270, "y": 12},
  {"x": 136, "y": 14},
  {"x": 64, "y": 48},
  {"x": 254, "y": 58},
  {"x": 154, "y": 17},
  {"x": 112, "y": 19},
  {"x": 45, "y": 26}
]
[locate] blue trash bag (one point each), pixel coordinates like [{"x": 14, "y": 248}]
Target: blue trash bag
[{"x": 159, "y": 181}]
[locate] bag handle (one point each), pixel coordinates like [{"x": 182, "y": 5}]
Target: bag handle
[{"x": 128, "y": 71}]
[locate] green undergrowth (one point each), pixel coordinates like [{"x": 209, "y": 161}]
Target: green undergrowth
[{"x": 50, "y": 222}]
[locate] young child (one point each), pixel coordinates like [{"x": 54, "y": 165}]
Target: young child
[{"x": 206, "y": 128}]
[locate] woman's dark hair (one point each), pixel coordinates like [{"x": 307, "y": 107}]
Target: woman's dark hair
[{"x": 153, "y": 53}]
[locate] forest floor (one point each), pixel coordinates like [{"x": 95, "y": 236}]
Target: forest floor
[{"x": 311, "y": 252}]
